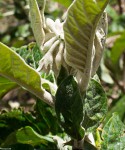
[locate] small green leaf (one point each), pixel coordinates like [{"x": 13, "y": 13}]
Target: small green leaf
[
  {"x": 95, "y": 106},
  {"x": 6, "y": 85},
  {"x": 113, "y": 134},
  {"x": 69, "y": 108}
]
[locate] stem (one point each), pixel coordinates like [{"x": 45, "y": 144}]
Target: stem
[{"x": 78, "y": 145}]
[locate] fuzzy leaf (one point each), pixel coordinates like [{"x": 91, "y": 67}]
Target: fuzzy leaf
[
  {"x": 69, "y": 108},
  {"x": 79, "y": 33},
  {"x": 13, "y": 67}
]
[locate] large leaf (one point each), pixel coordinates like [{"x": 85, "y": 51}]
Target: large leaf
[
  {"x": 113, "y": 134},
  {"x": 13, "y": 67},
  {"x": 6, "y": 85},
  {"x": 69, "y": 108},
  {"x": 26, "y": 135},
  {"x": 95, "y": 106},
  {"x": 79, "y": 32}
]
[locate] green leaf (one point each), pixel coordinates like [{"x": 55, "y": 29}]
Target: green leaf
[
  {"x": 69, "y": 108},
  {"x": 13, "y": 67},
  {"x": 13, "y": 120},
  {"x": 79, "y": 32},
  {"x": 113, "y": 134},
  {"x": 65, "y": 3},
  {"x": 26, "y": 135},
  {"x": 95, "y": 106},
  {"x": 118, "y": 48},
  {"x": 6, "y": 85}
]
